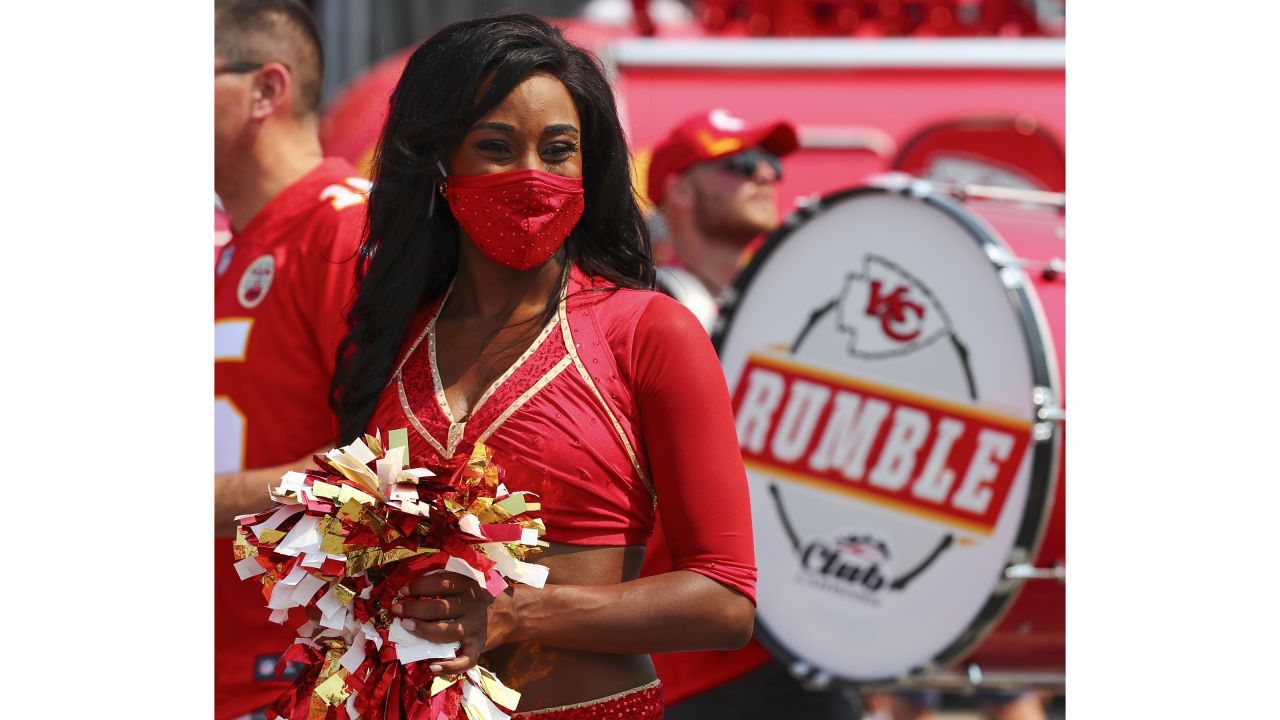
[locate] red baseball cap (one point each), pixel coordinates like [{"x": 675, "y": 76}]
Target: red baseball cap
[{"x": 710, "y": 135}]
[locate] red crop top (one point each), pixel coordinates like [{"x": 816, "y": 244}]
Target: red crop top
[{"x": 619, "y": 405}]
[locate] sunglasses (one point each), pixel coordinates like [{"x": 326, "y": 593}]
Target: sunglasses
[
  {"x": 240, "y": 68},
  {"x": 237, "y": 68},
  {"x": 747, "y": 162}
]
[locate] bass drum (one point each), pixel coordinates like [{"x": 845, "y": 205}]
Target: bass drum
[{"x": 894, "y": 355}]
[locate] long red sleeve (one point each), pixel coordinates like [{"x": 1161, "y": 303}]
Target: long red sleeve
[{"x": 687, "y": 424}]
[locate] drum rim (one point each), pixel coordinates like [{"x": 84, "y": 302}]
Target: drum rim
[{"x": 1046, "y": 456}]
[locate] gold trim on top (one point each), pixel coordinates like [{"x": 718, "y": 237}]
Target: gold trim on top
[
  {"x": 412, "y": 348},
  {"x": 413, "y": 419},
  {"x": 493, "y": 386},
  {"x": 404, "y": 398},
  {"x": 525, "y": 397},
  {"x": 458, "y": 429},
  {"x": 586, "y": 377},
  {"x": 441, "y": 400}
]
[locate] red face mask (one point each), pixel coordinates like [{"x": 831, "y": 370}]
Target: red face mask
[{"x": 518, "y": 218}]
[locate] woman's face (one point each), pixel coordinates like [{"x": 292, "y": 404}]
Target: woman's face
[{"x": 535, "y": 128}]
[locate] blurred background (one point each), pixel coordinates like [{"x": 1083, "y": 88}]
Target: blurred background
[{"x": 963, "y": 90}]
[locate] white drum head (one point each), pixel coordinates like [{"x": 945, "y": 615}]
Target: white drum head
[{"x": 882, "y": 370}]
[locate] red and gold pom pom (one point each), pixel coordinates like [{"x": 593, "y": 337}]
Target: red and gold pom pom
[{"x": 341, "y": 542}]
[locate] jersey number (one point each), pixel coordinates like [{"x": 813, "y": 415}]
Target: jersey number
[
  {"x": 352, "y": 191},
  {"x": 230, "y": 342}
]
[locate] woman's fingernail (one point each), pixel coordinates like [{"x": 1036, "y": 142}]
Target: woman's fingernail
[
  {"x": 404, "y": 590},
  {"x": 408, "y": 625},
  {"x": 397, "y": 609},
  {"x": 436, "y": 668}
]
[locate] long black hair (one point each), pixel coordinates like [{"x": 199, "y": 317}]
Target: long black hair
[{"x": 410, "y": 253}]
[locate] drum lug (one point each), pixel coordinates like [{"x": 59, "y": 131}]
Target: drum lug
[
  {"x": 1027, "y": 571},
  {"x": 728, "y": 296},
  {"x": 809, "y": 203},
  {"x": 1007, "y": 582},
  {"x": 1053, "y": 270},
  {"x": 1009, "y": 267},
  {"x": 1019, "y": 569},
  {"x": 1047, "y": 407},
  {"x": 810, "y": 677},
  {"x": 717, "y": 326},
  {"x": 892, "y": 181},
  {"x": 974, "y": 673},
  {"x": 1000, "y": 257},
  {"x": 1048, "y": 413},
  {"x": 800, "y": 669},
  {"x": 805, "y": 206},
  {"x": 904, "y": 183},
  {"x": 817, "y": 681},
  {"x": 920, "y": 189}
]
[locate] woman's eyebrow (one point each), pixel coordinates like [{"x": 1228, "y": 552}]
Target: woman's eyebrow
[
  {"x": 556, "y": 129},
  {"x": 492, "y": 125},
  {"x": 560, "y": 128}
]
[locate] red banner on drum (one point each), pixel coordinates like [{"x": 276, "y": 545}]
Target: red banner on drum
[{"x": 949, "y": 462}]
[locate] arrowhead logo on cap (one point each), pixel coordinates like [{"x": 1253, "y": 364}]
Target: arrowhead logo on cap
[{"x": 718, "y": 146}]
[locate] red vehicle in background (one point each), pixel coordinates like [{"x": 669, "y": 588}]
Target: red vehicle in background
[{"x": 962, "y": 90}]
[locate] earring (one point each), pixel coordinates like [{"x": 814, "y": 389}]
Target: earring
[{"x": 444, "y": 184}]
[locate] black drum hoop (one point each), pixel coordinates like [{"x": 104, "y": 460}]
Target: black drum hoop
[{"x": 1045, "y": 457}]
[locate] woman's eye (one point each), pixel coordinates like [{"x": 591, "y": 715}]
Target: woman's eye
[
  {"x": 493, "y": 147},
  {"x": 558, "y": 152}
]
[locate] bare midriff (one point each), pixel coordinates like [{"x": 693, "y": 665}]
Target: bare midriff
[{"x": 552, "y": 676}]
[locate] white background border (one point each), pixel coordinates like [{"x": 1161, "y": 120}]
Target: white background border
[
  {"x": 1171, "y": 364},
  {"x": 107, "y": 301}
]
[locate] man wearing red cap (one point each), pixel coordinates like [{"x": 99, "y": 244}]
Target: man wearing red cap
[{"x": 713, "y": 179}]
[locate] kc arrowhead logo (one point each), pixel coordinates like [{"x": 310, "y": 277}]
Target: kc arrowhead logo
[
  {"x": 256, "y": 281},
  {"x": 887, "y": 311}
]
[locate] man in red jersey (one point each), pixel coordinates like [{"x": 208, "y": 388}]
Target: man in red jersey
[
  {"x": 282, "y": 285},
  {"x": 713, "y": 180}
]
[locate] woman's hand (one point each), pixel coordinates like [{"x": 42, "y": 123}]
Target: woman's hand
[{"x": 447, "y": 607}]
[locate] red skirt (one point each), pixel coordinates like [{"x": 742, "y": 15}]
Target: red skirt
[{"x": 642, "y": 703}]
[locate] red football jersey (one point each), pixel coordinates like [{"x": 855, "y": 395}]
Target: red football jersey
[{"x": 282, "y": 287}]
